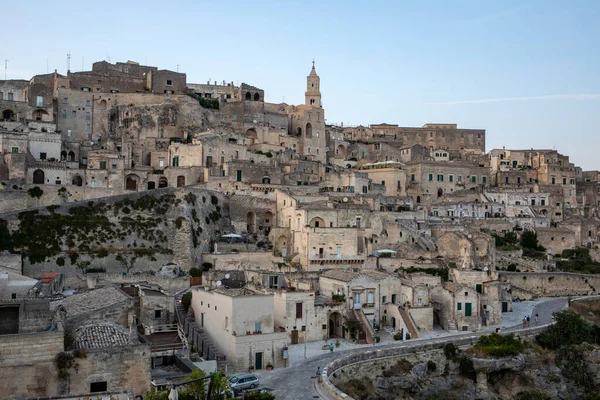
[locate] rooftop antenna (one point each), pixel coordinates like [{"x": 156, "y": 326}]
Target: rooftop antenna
[
  {"x": 69, "y": 61},
  {"x": 5, "y": 68}
]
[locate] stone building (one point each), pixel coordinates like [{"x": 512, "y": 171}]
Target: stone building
[
  {"x": 456, "y": 307},
  {"x": 241, "y": 324}
]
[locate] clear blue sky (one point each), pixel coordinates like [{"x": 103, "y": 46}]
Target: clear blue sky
[{"x": 527, "y": 72}]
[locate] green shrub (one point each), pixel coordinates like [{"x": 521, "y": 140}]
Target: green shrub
[
  {"x": 569, "y": 329},
  {"x": 534, "y": 394},
  {"x": 466, "y": 367},
  {"x": 214, "y": 200},
  {"x": 571, "y": 360},
  {"x": 500, "y": 345},
  {"x": 195, "y": 272},
  {"x": 431, "y": 366},
  {"x": 186, "y": 301},
  {"x": 35, "y": 192},
  {"x": 450, "y": 350}
]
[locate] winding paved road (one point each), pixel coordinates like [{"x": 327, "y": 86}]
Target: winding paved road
[{"x": 298, "y": 381}]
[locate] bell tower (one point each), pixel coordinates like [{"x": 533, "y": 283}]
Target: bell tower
[{"x": 313, "y": 91}]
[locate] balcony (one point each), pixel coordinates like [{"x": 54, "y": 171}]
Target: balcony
[{"x": 336, "y": 259}]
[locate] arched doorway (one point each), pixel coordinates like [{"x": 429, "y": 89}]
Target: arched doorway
[
  {"x": 251, "y": 134},
  {"x": 340, "y": 151},
  {"x": 151, "y": 185},
  {"x": 334, "y": 325},
  {"x": 71, "y": 156},
  {"x": 131, "y": 182},
  {"x": 8, "y": 115},
  {"x": 440, "y": 192},
  {"x": 251, "y": 222},
  {"x": 418, "y": 199},
  {"x": 308, "y": 130},
  {"x": 256, "y": 97},
  {"x": 163, "y": 182},
  {"x": 180, "y": 181},
  {"x": 282, "y": 245},
  {"x": 248, "y": 96},
  {"x": 39, "y": 177},
  {"x": 63, "y": 156},
  {"x": 317, "y": 222},
  {"x": 299, "y": 132},
  {"x": 77, "y": 181},
  {"x": 103, "y": 105},
  {"x": 393, "y": 322}
]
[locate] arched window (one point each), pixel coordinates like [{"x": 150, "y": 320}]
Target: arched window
[
  {"x": 418, "y": 199},
  {"x": 308, "y": 130},
  {"x": 77, "y": 181},
  {"x": 256, "y": 97},
  {"x": 248, "y": 96},
  {"x": 71, "y": 156}
]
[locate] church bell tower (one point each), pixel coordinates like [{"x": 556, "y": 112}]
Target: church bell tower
[{"x": 313, "y": 91}]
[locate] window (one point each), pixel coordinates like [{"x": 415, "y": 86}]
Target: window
[
  {"x": 169, "y": 82},
  {"x": 88, "y": 116},
  {"x": 88, "y": 102},
  {"x": 273, "y": 282},
  {"x": 543, "y": 202},
  {"x": 161, "y": 163},
  {"x": 430, "y": 177},
  {"x": 384, "y": 299},
  {"x": 478, "y": 288},
  {"x": 239, "y": 175},
  {"x": 69, "y": 133},
  {"x": 382, "y": 183},
  {"x": 370, "y": 298},
  {"x": 39, "y": 101},
  {"x": 440, "y": 178},
  {"x": 226, "y": 322},
  {"x": 324, "y": 326},
  {"x": 157, "y": 313},
  {"x": 484, "y": 179},
  {"x": 399, "y": 187},
  {"x": 298, "y": 310},
  {"x": 473, "y": 179},
  {"x": 10, "y": 96},
  {"x": 553, "y": 181},
  {"x": 102, "y": 164},
  {"x": 113, "y": 166},
  {"x": 412, "y": 177},
  {"x": 394, "y": 298},
  {"x": 572, "y": 181},
  {"x": 88, "y": 127},
  {"x": 64, "y": 114},
  {"x": 175, "y": 161},
  {"x": 96, "y": 387},
  {"x": 42, "y": 156},
  {"x": 451, "y": 178},
  {"x": 564, "y": 181},
  {"x": 73, "y": 113},
  {"x": 459, "y": 306},
  {"x": 258, "y": 327},
  {"x": 1, "y": 95}
]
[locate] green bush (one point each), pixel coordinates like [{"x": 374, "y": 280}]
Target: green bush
[
  {"x": 258, "y": 396},
  {"x": 529, "y": 240},
  {"x": 500, "y": 345},
  {"x": 195, "y": 272},
  {"x": 569, "y": 329},
  {"x": 534, "y": 394},
  {"x": 450, "y": 350},
  {"x": 571, "y": 360},
  {"x": 466, "y": 367},
  {"x": 186, "y": 301},
  {"x": 431, "y": 366},
  {"x": 214, "y": 200},
  {"x": 35, "y": 192}
]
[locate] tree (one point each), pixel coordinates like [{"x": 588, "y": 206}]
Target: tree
[
  {"x": 221, "y": 388},
  {"x": 196, "y": 390},
  {"x": 5, "y": 238},
  {"x": 529, "y": 241},
  {"x": 353, "y": 326},
  {"x": 36, "y": 193},
  {"x": 570, "y": 329}
]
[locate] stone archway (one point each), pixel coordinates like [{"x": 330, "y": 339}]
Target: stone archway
[
  {"x": 39, "y": 177},
  {"x": 248, "y": 96},
  {"x": 440, "y": 192},
  {"x": 71, "y": 156},
  {"x": 317, "y": 222},
  {"x": 163, "y": 182},
  {"x": 334, "y": 325},
  {"x": 256, "y": 97},
  {"x": 340, "y": 151},
  {"x": 63, "y": 156},
  {"x": 8, "y": 115},
  {"x": 77, "y": 181},
  {"x": 131, "y": 182},
  {"x": 282, "y": 245}
]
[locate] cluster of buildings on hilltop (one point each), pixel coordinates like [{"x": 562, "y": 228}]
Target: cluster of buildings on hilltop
[{"x": 390, "y": 227}]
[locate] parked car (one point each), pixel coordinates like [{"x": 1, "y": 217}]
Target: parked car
[{"x": 243, "y": 381}]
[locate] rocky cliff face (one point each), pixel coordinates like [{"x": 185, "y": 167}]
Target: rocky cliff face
[
  {"x": 137, "y": 232},
  {"x": 536, "y": 374}
]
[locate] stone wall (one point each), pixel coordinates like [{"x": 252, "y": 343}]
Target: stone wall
[
  {"x": 26, "y": 364},
  {"x": 243, "y": 260},
  {"x": 122, "y": 368},
  {"x": 553, "y": 284}
]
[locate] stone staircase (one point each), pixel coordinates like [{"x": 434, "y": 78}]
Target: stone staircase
[{"x": 409, "y": 322}]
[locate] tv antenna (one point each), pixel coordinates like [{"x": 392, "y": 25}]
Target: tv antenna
[{"x": 69, "y": 61}]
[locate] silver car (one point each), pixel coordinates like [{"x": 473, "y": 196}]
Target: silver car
[{"x": 243, "y": 381}]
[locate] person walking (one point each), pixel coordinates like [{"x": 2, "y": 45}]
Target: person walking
[
  {"x": 331, "y": 346},
  {"x": 318, "y": 374}
]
